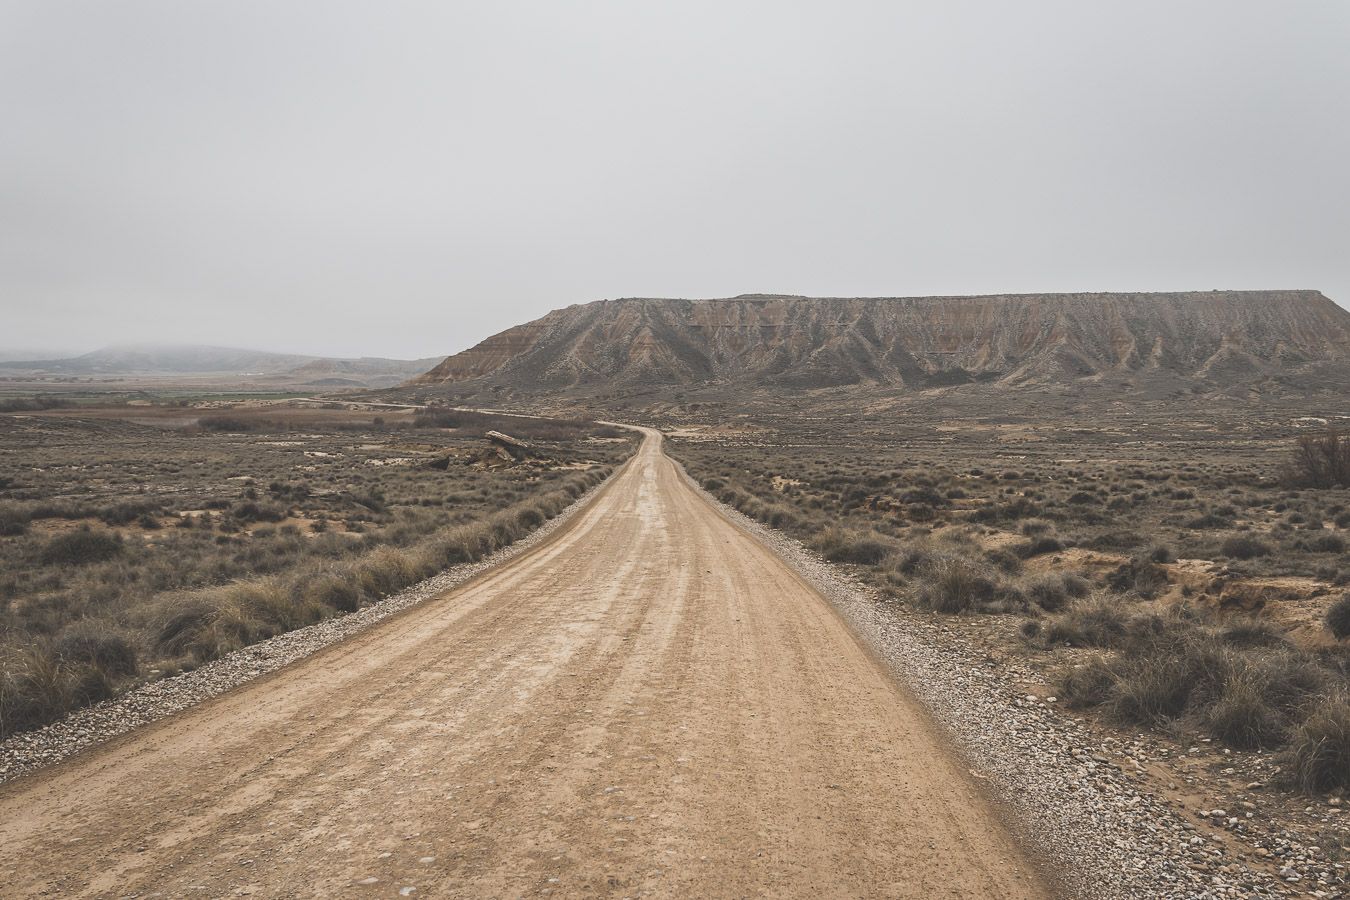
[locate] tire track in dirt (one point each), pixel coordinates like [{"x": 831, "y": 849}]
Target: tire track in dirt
[{"x": 649, "y": 703}]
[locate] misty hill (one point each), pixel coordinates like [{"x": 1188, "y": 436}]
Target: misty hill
[
  {"x": 1217, "y": 339},
  {"x": 162, "y": 361}
]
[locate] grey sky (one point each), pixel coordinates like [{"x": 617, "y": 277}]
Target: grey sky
[{"x": 402, "y": 179}]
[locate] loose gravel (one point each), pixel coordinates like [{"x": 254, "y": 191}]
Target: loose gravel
[
  {"x": 22, "y": 753},
  {"x": 1072, "y": 798}
]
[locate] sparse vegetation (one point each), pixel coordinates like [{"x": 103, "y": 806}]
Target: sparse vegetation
[
  {"x": 1319, "y": 755},
  {"x": 1244, "y": 547},
  {"x": 1320, "y": 461},
  {"x": 119, "y": 564},
  {"x": 1142, "y": 581},
  {"x": 80, "y": 548},
  {"x": 1338, "y": 618}
]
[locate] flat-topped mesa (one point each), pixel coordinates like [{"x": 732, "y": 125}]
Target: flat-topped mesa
[{"x": 805, "y": 342}]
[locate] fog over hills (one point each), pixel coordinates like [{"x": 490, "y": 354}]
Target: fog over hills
[
  {"x": 1217, "y": 339},
  {"x": 189, "y": 360}
]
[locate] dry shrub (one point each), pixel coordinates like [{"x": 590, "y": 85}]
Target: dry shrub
[
  {"x": 1247, "y": 633},
  {"x": 272, "y": 606},
  {"x": 1318, "y": 758},
  {"x": 1243, "y": 717},
  {"x": 383, "y": 572},
  {"x": 34, "y": 689},
  {"x": 1053, "y": 592},
  {"x": 1089, "y": 684},
  {"x": 1243, "y": 546},
  {"x": 81, "y": 547},
  {"x": 13, "y": 520},
  {"x": 38, "y": 685},
  {"x": 1099, "y": 623},
  {"x": 1320, "y": 461},
  {"x": 955, "y": 585},
  {"x": 1039, "y": 547},
  {"x": 97, "y": 644},
  {"x": 1141, "y": 575},
  {"x": 1243, "y": 685},
  {"x": 1151, "y": 694},
  {"x": 333, "y": 591},
  {"x": 1338, "y": 618},
  {"x": 862, "y": 548},
  {"x": 1327, "y": 543}
]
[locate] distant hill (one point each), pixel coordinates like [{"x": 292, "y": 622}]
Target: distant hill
[
  {"x": 1217, "y": 340},
  {"x": 8, "y": 354},
  {"x": 168, "y": 361}
]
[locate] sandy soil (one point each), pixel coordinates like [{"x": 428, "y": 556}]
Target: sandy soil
[{"x": 649, "y": 703}]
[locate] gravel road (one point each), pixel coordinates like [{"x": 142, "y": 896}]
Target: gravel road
[
  {"x": 646, "y": 701},
  {"x": 1082, "y": 806}
]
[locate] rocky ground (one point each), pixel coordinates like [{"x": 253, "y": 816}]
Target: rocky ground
[{"x": 1112, "y": 817}]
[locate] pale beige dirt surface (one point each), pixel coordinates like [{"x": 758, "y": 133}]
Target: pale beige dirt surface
[{"x": 649, "y": 703}]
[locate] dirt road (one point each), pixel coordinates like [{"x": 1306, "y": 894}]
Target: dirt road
[{"x": 650, "y": 703}]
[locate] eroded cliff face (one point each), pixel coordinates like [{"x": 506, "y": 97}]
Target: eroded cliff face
[{"x": 911, "y": 341}]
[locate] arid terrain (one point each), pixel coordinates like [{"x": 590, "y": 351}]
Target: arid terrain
[
  {"x": 140, "y": 541},
  {"x": 1229, "y": 343},
  {"x": 1016, "y": 596},
  {"x": 1160, "y": 582},
  {"x": 650, "y": 702}
]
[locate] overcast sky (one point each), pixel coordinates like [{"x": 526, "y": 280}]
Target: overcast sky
[{"x": 403, "y": 178}]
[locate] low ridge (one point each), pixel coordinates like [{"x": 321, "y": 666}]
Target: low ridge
[
  {"x": 196, "y": 361},
  {"x": 1219, "y": 337}
]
